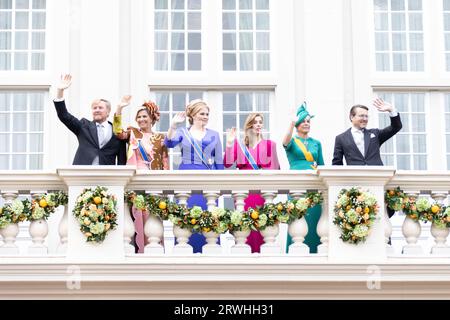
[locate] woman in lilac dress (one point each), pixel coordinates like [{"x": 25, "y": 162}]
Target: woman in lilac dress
[
  {"x": 201, "y": 149},
  {"x": 254, "y": 153}
]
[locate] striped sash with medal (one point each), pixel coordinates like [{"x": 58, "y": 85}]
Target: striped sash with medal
[
  {"x": 308, "y": 156},
  {"x": 198, "y": 150},
  {"x": 248, "y": 156}
]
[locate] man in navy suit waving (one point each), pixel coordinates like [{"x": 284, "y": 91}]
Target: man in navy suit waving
[
  {"x": 361, "y": 146},
  {"x": 97, "y": 145}
]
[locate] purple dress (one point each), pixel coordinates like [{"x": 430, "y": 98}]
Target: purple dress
[{"x": 190, "y": 160}]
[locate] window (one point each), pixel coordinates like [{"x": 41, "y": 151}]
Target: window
[
  {"x": 447, "y": 127},
  {"x": 22, "y": 34},
  {"x": 21, "y": 129},
  {"x": 238, "y": 105},
  {"x": 407, "y": 150},
  {"x": 178, "y": 40},
  {"x": 246, "y": 35},
  {"x": 170, "y": 103},
  {"x": 447, "y": 32},
  {"x": 399, "y": 44}
]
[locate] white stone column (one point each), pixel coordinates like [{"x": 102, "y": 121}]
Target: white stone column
[
  {"x": 211, "y": 247},
  {"x": 387, "y": 232},
  {"x": 270, "y": 246},
  {"x": 440, "y": 234},
  {"x": 38, "y": 230},
  {"x": 63, "y": 231},
  {"x": 128, "y": 229},
  {"x": 322, "y": 225},
  {"x": 298, "y": 229},
  {"x": 411, "y": 231},
  {"x": 154, "y": 231},
  {"x": 240, "y": 247},
  {"x": 182, "y": 247},
  {"x": 10, "y": 232}
]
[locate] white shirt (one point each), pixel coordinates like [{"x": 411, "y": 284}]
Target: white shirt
[{"x": 358, "y": 136}]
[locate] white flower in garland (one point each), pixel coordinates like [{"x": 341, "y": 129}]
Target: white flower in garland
[
  {"x": 38, "y": 213},
  {"x": 17, "y": 207},
  {"x": 302, "y": 204},
  {"x": 236, "y": 217},
  {"x": 423, "y": 204}
]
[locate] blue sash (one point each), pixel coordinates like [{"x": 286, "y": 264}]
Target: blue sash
[
  {"x": 247, "y": 154},
  {"x": 143, "y": 153},
  {"x": 197, "y": 149}
]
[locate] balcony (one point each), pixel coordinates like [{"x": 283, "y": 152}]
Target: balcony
[{"x": 64, "y": 266}]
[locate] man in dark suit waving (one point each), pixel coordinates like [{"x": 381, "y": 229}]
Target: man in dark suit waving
[
  {"x": 97, "y": 145},
  {"x": 361, "y": 146}
]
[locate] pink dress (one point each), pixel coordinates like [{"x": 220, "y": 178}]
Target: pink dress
[{"x": 265, "y": 155}]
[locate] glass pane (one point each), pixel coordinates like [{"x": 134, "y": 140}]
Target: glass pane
[
  {"x": 263, "y": 61},
  {"x": 417, "y": 102},
  {"x": 399, "y": 41},
  {"x": 398, "y": 22},
  {"x": 246, "y": 61},
  {"x": 5, "y": 4},
  {"x": 229, "y": 101},
  {"x": 21, "y": 41},
  {"x": 403, "y": 162},
  {"x": 228, "y": 4},
  {"x": 22, "y": 4},
  {"x": 383, "y": 62},
  {"x": 161, "y": 4},
  {"x": 388, "y": 146},
  {"x": 447, "y": 5},
  {"x": 38, "y": 20},
  {"x": 5, "y": 40},
  {"x": 416, "y": 62},
  {"x": 161, "y": 42},
  {"x": 194, "y": 61},
  {"x": 177, "y": 41},
  {"x": 229, "y": 41},
  {"x": 419, "y": 143},
  {"x": 403, "y": 145},
  {"x": 38, "y": 41},
  {"x": 20, "y": 102},
  {"x": 399, "y": 62},
  {"x": 387, "y": 160},
  {"x": 194, "y": 4},
  {"x": 4, "y": 122},
  {"x": 262, "y": 4},
  {"x": 401, "y": 102},
  {"x": 177, "y": 4},
  {"x": 164, "y": 122},
  {"x": 194, "y": 41},
  {"x": 4, "y": 101},
  {"x": 19, "y": 122},
  {"x": 398, "y": 5},
  {"x": 246, "y": 41},
  {"x": 383, "y": 120},
  {"x": 229, "y": 61},
  {"x": 245, "y": 21},
  {"x": 21, "y": 20},
  {"x": 195, "y": 95},
  {"x": 447, "y": 60},
  {"x": 415, "y": 4},
  {"x": 39, "y": 4},
  {"x": 420, "y": 162},
  {"x": 229, "y": 121},
  {"x": 447, "y": 41},
  {"x": 194, "y": 21},
  {"x": 179, "y": 101},
  {"x": 242, "y": 118},
  {"x": 447, "y": 21},
  {"x": 448, "y": 143},
  {"x": 5, "y": 20},
  {"x": 162, "y": 100},
  {"x": 19, "y": 142},
  {"x": 262, "y": 21},
  {"x": 161, "y": 61},
  {"x": 161, "y": 21},
  {"x": 37, "y": 61},
  {"x": 262, "y": 41},
  {"x": 381, "y": 21},
  {"x": 177, "y": 61},
  {"x": 416, "y": 41},
  {"x": 178, "y": 21},
  {"x": 262, "y": 101},
  {"x": 228, "y": 21},
  {"x": 382, "y": 41},
  {"x": 21, "y": 61},
  {"x": 4, "y": 142},
  {"x": 36, "y": 142},
  {"x": 245, "y": 102},
  {"x": 19, "y": 162},
  {"x": 245, "y": 4},
  {"x": 448, "y": 162},
  {"x": 447, "y": 124},
  {"x": 36, "y": 121},
  {"x": 4, "y": 161},
  {"x": 380, "y": 4},
  {"x": 36, "y": 161},
  {"x": 418, "y": 122},
  {"x": 415, "y": 21}
]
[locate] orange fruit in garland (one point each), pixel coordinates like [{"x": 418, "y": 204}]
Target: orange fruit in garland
[
  {"x": 254, "y": 215},
  {"x": 97, "y": 200},
  {"x": 43, "y": 203}
]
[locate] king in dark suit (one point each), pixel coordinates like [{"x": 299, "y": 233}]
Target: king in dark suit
[{"x": 96, "y": 143}]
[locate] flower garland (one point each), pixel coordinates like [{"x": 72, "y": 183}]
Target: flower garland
[
  {"x": 298, "y": 208},
  {"x": 12, "y": 213},
  {"x": 355, "y": 211},
  {"x": 395, "y": 199},
  {"x": 96, "y": 212}
]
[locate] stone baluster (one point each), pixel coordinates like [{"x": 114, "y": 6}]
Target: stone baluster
[
  {"x": 270, "y": 247},
  {"x": 211, "y": 247},
  {"x": 240, "y": 247},
  {"x": 298, "y": 229},
  {"x": 154, "y": 231},
  {"x": 38, "y": 230},
  {"x": 440, "y": 234},
  {"x": 411, "y": 231},
  {"x": 128, "y": 229},
  {"x": 322, "y": 225},
  {"x": 63, "y": 231},
  {"x": 182, "y": 235},
  {"x": 10, "y": 232}
]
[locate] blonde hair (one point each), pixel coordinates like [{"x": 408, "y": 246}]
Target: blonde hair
[
  {"x": 249, "y": 124},
  {"x": 193, "y": 108}
]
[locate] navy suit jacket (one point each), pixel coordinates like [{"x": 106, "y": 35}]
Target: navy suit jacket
[
  {"x": 114, "y": 151},
  {"x": 345, "y": 145}
]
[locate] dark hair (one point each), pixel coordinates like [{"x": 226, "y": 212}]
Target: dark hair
[
  {"x": 151, "y": 109},
  {"x": 353, "y": 110}
]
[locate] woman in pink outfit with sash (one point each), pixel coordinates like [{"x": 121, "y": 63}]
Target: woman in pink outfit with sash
[{"x": 254, "y": 153}]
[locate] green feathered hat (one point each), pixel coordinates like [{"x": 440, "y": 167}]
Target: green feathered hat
[{"x": 302, "y": 113}]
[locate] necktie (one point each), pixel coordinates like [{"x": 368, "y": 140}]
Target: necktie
[
  {"x": 360, "y": 141},
  {"x": 101, "y": 134}
]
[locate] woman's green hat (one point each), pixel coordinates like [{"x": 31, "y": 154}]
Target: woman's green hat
[{"x": 302, "y": 113}]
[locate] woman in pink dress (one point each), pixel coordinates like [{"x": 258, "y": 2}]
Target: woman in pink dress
[
  {"x": 254, "y": 153},
  {"x": 146, "y": 150}
]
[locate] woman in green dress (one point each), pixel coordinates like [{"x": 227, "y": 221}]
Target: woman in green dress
[{"x": 304, "y": 153}]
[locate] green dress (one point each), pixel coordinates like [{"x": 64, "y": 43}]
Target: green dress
[{"x": 297, "y": 161}]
